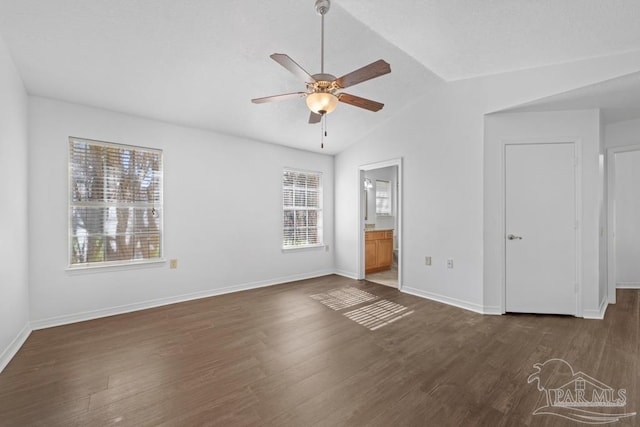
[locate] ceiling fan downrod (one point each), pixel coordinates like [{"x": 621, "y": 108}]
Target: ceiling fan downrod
[{"x": 322, "y": 7}]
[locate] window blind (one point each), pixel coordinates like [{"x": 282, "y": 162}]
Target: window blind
[
  {"x": 115, "y": 203},
  {"x": 383, "y": 198},
  {"x": 302, "y": 209}
]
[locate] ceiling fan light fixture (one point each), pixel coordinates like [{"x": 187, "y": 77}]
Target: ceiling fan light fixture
[{"x": 322, "y": 102}]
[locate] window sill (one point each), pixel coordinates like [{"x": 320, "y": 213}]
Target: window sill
[
  {"x": 98, "y": 267},
  {"x": 303, "y": 248}
]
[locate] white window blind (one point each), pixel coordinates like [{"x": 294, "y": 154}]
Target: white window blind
[
  {"x": 383, "y": 198},
  {"x": 115, "y": 203},
  {"x": 302, "y": 209}
]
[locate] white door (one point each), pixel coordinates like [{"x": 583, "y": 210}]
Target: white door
[{"x": 540, "y": 234}]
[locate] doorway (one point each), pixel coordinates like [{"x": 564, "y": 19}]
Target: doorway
[
  {"x": 623, "y": 211},
  {"x": 380, "y": 214},
  {"x": 541, "y": 228}
]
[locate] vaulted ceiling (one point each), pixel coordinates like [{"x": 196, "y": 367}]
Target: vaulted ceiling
[{"x": 199, "y": 62}]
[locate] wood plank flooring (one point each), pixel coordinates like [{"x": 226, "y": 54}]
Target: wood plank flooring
[{"x": 277, "y": 357}]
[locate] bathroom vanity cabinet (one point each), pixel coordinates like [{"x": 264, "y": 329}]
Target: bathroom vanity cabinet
[{"x": 378, "y": 250}]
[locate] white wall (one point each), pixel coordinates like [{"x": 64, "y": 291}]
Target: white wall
[
  {"x": 222, "y": 207},
  {"x": 580, "y": 126},
  {"x": 440, "y": 142},
  {"x": 622, "y": 134},
  {"x": 14, "y": 293},
  {"x": 440, "y": 138},
  {"x": 627, "y": 218}
]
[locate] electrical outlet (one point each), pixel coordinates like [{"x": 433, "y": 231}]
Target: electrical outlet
[
  {"x": 450, "y": 263},
  {"x": 427, "y": 260},
  {"x": 173, "y": 263}
]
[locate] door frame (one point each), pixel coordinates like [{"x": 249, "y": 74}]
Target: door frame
[
  {"x": 361, "y": 170},
  {"x": 611, "y": 217},
  {"x": 577, "y": 144}
]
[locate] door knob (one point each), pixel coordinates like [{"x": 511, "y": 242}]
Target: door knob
[{"x": 513, "y": 237}]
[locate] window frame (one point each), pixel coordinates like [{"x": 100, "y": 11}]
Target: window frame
[
  {"x": 389, "y": 197},
  {"x": 156, "y": 204},
  {"x": 319, "y": 210}
]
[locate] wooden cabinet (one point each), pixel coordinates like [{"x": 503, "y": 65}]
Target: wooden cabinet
[{"x": 378, "y": 250}]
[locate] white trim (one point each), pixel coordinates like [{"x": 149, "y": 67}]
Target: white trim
[
  {"x": 611, "y": 218},
  {"x": 492, "y": 310},
  {"x": 290, "y": 249},
  {"x": 362, "y": 202},
  {"x": 579, "y": 229},
  {"x": 628, "y": 285},
  {"x": 476, "y": 308},
  {"x": 597, "y": 314},
  {"x": 347, "y": 274},
  {"x": 398, "y": 213},
  {"x": 92, "y": 267},
  {"x": 128, "y": 308},
  {"x": 577, "y": 143},
  {"x": 14, "y": 346},
  {"x": 381, "y": 165}
]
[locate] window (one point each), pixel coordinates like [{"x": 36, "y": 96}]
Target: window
[
  {"x": 302, "y": 209},
  {"x": 115, "y": 203},
  {"x": 383, "y": 198}
]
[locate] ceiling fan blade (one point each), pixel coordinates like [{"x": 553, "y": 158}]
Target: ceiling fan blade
[
  {"x": 314, "y": 118},
  {"x": 368, "y": 72},
  {"x": 278, "y": 97},
  {"x": 293, "y": 67},
  {"x": 356, "y": 101}
]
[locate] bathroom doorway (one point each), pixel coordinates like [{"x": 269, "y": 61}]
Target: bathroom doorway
[{"x": 380, "y": 223}]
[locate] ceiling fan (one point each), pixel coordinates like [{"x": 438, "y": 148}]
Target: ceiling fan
[{"x": 323, "y": 90}]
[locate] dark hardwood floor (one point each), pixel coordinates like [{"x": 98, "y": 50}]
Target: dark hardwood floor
[{"x": 277, "y": 357}]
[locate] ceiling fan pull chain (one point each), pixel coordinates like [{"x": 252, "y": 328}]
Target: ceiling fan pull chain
[
  {"x": 323, "y": 130},
  {"x": 325, "y": 125}
]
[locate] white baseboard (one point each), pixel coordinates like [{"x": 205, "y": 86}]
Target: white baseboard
[
  {"x": 597, "y": 314},
  {"x": 494, "y": 311},
  {"x": 14, "y": 346},
  {"x": 451, "y": 301},
  {"x": 128, "y": 308},
  {"x": 347, "y": 274},
  {"x": 628, "y": 285}
]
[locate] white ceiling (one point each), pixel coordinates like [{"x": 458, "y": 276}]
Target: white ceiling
[
  {"x": 459, "y": 39},
  {"x": 199, "y": 62},
  {"x": 618, "y": 99}
]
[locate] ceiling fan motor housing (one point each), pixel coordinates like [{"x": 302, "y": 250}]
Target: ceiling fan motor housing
[
  {"x": 323, "y": 83},
  {"x": 322, "y": 6}
]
